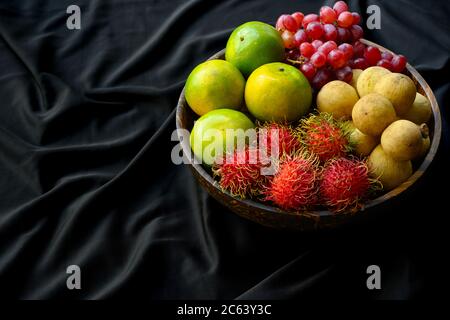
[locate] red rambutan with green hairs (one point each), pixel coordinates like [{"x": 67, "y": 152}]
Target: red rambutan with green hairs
[
  {"x": 324, "y": 136},
  {"x": 346, "y": 184},
  {"x": 295, "y": 185},
  {"x": 286, "y": 141},
  {"x": 240, "y": 173}
]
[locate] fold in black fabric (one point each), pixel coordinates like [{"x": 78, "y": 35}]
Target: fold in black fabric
[{"x": 86, "y": 178}]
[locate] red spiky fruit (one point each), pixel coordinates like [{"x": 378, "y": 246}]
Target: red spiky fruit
[
  {"x": 286, "y": 142},
  {"x": 345, "y": 184},
  {"x": 324, "y": 136},
  {"x": 295, "y": 185},
  {"x": 240, "y": 173}
]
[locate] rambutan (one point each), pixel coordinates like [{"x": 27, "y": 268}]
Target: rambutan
[
  {"x": 295, "y": 185},
  {"x": 240, "y": 173},
  {"x": 286, "y": 142},
  {"x": 345, "y": 184},
  {"x": 324, "y": 136}
]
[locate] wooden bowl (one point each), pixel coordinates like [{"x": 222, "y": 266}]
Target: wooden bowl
[{"x": 306, "y": 221}]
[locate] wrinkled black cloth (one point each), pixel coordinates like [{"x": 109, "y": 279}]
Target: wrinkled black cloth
[{"x": 86, "y": 177}]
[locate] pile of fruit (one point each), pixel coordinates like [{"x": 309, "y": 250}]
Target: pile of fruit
[{"x": 263, "y": 137}]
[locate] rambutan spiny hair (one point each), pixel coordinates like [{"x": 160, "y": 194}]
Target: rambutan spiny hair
[
  {"x": 324, "y": 136},
  {"x": 295, "y": 185},
  {"x": 240, "y": 174},
  {"x": 346, "y": 184},
  {"x": 287, "y": 141}
]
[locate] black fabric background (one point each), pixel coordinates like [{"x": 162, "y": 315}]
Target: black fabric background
[{"x": 86, "y": 177}]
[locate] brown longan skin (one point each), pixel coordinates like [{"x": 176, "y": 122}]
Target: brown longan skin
[
  {"x": 372, "y": 114},
  {"x": 399, "y": 89},
  {"x": 368, "y": 79},
  {"x": 390, "y": 172},
  {"x": 337, "y": 98},
  {"x": 402, "y": 140},
  {"x": 421, "y": 111}
]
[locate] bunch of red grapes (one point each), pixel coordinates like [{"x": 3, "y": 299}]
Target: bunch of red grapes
[{"x": 326, "y": 47}]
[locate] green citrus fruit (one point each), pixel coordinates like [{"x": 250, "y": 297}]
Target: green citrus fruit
[
  {"x": 214, "y": 84},
  {"x": 209, "y": 137},
  {"x": 253, "y": 44},
  {"x": 278, "y": 92}
]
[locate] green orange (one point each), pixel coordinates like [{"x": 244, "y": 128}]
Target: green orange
[
  {"x": 214, "y": 84},
  {"x": 253, "y": 44},
  {"x": 278, "y": 92},
  {"x": 209, "y": 135}
]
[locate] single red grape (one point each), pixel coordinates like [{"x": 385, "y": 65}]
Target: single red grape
[
  {"x": 345, "y": 19},
  {"x": 344, "y": 35},
  {"x": 322, "y": 77},
  {"x": 298, "y": 16},
  {"x": 336, "y": 59},
  {"x": 330, "y": 32},
  {"x": 309, "y": 18},
  {"x": 290, "y": 23},
  {"x": 387, "y": 56},
  {"x": 347, "y": 49},
  {"x": 344, "y": 74},
  {"x": 308, "y": 70},
  {"x": 280, "y": 23},
  {"x": 327, "y": 15},
  {"x": 385, "y": 64},
  {"x": 317, "y": 44},
  {"x": 398, "y": 63},
  {"x": 360, "y": 63},
  {"x": 358, "y": 49},
  {"x": 340, "y": 7},
  {"x": 327, "y": 47},
  {"x": 300, "y": 37},
  {"x": 314, "y": 30},
  {"x": 357, "y": 32},
  {"x": 372, "y": 55},
  {"x": 288, "y": 39},
  {"x": 307, "y": 49},
  {"x": 318, "y": 59},
  {"x": 356, "y": 18}
]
